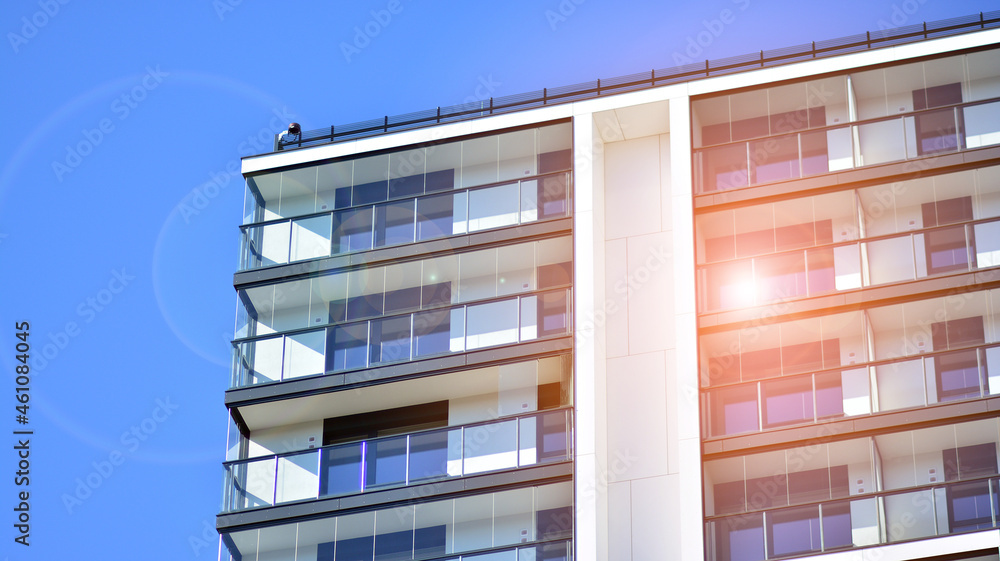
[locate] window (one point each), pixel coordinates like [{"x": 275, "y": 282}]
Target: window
[
  {"x": 349, "y": 344},
  {"x": 793, "y": 531},
  {"x": 739, "y": 538},
  {"x": 352, "y": 230},
  {"x": 937, "y": 131},
  {"x": 733, "y": 410},
  {"x": 787, "y": 401},
  {"x": 946, "y": 247},
  {"x": 959, "y": 375},
  {"x": 970, "y": 505}
]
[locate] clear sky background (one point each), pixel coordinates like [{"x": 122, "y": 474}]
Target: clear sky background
[{"x": 118, "y": 215}]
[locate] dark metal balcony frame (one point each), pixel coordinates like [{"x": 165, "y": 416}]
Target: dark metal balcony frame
[{"x": 645, "y": 80}]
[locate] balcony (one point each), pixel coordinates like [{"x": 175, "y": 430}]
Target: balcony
[
  {"x": 843, "y": 266},
  {"x": 399, "y": 461},
  {"x": 916, "y": 134},
  {"x": 878, "y": 518},
  {"x": 401, "y": 338},
  {"x": 932, "y": 378},
  {"x": 827, "y": 494},
  {"x": 402, "y": 221},
  {"x": 510, "y": 525}
]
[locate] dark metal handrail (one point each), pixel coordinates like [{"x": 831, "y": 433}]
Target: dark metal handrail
[{"x": 589, "y": 90}]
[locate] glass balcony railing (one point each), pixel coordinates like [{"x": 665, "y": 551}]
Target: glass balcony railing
[
  {"x": 403, "y": 221},
  {"x": 928, "y": 379},
  {"x": 561, "y": 550},
  {"x": 933, "y": 510},
  {"x": 391, "y": 339},
  {"x": 399, "y": 461},
  {"x": 876, "y": 141},
  {"x": 848, "y": 265}
]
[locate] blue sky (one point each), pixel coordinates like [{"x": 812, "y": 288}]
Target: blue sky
[{"x": 119, "y": 211}]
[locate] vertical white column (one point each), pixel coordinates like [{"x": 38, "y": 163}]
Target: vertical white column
[
  {"x": 685, "y": 402},
  {"x": 589, "y": 365}
]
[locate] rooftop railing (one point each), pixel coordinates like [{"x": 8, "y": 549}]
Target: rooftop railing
[{"x": 640, "y": 81}]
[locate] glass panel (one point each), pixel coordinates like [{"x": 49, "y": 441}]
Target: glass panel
[
  {"x": 971, "y": 506},
  {"x": 352, "y": 230},
  {"x": 480, "y": 161},
  {"x": 982, "y": 125},
  {"x": 935, "y": 132},
  {"x": 738, "y": 538},
  {"x": 836, "y": 525},
  {"x": 431, "y": 521},
  {"x": 712, "y": 118},
  {"x": 553, "y": 196},
  {"x": 890, "y": 260},
  {"x": 549, "y": 443},
  {"x": 903, "y": 521},
  {"x": 728, "y": 285},
  {"x": 440, "y": 216},
  {"x": 494, "y": 207},
  {"x": 830, "y": 395},
  {"x": 304, "y": 354},
  {"x": 993, "y": 370},
  {"x": 478, "y": 275},
  {"x": 958, "y": 375},
  {"x": 490, "y": 447},
  {"x": 310, "y": 238},
  {"x": 390, "y": 339},
  {"x": 349, "y": 344},
  {"x": 793, "y": 531},
  {"x": 553, "y": 314},
  {"x": 987, "y": 246},
  {"x": 267, "y": 360},
  {"x": 385, "y": 462},
  {"x": 434, "y": 332},
  {"x": 273, "y": 245},
  {"x": 394, "y": 223},
  {"x": 393, "y": 534},
  {"x": 900, "y": 385},
  {"x": 723, "y": 167},
  {"x": 881, "y": 142},
  {"x": 840, "y": 145},
  {"x": 429, "y": 455},
  {"x": 780, "y": 277},
  {"x": 774, "y": 159},
  {"x": 864, "y": 522},
  {"x": 334, "y": 185},
  {"x": 340, "y": 470},
  {"x": 857, "y": 392},
  {"x": 298, "y": 477},
  {"x": 406, "y": 173},
  {"x": 733, "y": 410},
  {"x": 473, "y": 528},
  {"x": 815, "y": 156},
  {"x": 492, "y": 324},
  {"x": 258, "y": 483},
  {"x": 515, "y": 269},
  {"x": 529, "y": 201},
  {"x": 355, "y": 537},
  {"x": 787, "y": 401},
  {"x": 946, "y": 250},
  {"x": 517, "y": 155}
]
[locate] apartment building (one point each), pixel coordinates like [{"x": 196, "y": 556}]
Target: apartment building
[{"x": 726, "y": 312}]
